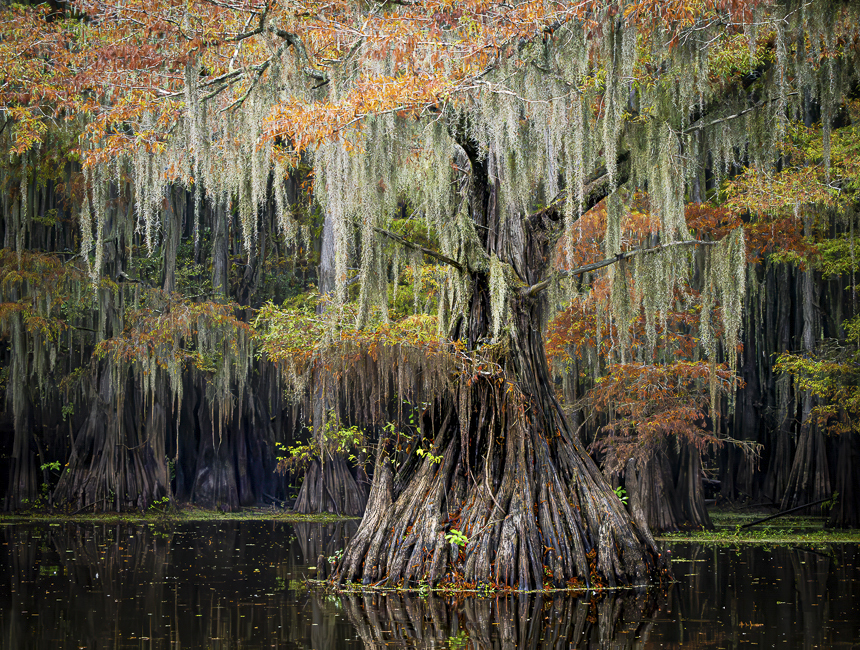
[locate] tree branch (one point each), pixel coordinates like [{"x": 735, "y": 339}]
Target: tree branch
[
  {"x": 302, "y": 53},
  {"x": 596, "y": 188},
  {"x": 700, "y": 124},
  {"x": 259, "y": 73},
  {"x": 543, "y": 284},
  {"x": 430, "y": 253},
  {"x": 228, "y": 78},
  {"x": 785, "y": 512}
]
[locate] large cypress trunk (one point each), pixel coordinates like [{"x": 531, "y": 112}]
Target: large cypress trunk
[
  {"x": 689, "y": 485},
  {"x": 22, "y": 480},
  {"x": 505, "y": 469},
  {"x": 512, "y": 478},
  {"x": 653, "y": 489},
  {"x": 329, "y": 486},
  {"x": 668, "y": 488},
  {"x": 846, "y": 512},
  {"x": 809, "y": 479},
  {"x": 118, "y": 458}
]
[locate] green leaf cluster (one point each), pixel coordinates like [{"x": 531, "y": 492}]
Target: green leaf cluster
[
  {"x": 332, "y": 440},
  {"x": 832, "y": 375}
]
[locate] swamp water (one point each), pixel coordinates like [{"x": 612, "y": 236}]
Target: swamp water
[{"x": 239, "y": 584}]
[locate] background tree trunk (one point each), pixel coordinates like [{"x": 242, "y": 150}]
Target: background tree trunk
[{"x": 330, "y": 484}]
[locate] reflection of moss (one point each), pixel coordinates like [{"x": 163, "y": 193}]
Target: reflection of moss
[{"x": 297, "y": 585}]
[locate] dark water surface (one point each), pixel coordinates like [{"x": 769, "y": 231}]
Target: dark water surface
[{"x": 238, "y": 584}]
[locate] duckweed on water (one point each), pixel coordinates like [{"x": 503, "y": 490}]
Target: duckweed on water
[
  {"x": 184, "y": 514},
  {"x": 782, "y": 530}
]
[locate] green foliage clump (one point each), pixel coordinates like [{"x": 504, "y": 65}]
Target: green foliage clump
[
  {"x": 837, "y": 256},
  {"x": 832, "y": 374},
  {"x": 332, "y": 440}
]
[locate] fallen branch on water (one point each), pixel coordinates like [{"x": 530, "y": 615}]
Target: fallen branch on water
[{"x": 790, "y": 510}]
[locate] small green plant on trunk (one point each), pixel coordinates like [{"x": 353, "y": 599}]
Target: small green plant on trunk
[{"x": 456, "y": 537}]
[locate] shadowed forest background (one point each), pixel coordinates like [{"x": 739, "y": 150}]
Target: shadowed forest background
[{"x": 334, "y": 267}]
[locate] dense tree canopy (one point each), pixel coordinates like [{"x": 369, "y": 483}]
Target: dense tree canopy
[{"x": 611, "y": 166}]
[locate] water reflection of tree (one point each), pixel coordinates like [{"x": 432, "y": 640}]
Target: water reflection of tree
[
  {"x": 323, "y": 539},
  {"x": 777, "y": 596},
  {"x": 79, "y": 579},
  {"x": 239, "y": 584},
  {"x": 610, "y": 620},
  {"x": 213, "y": 585}
]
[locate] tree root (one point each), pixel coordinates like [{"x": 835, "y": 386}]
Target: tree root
[{"x": 552, "y": 522}]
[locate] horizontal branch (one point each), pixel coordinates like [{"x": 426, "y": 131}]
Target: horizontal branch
[
  {"x": 543, "y": 284},
  {"x": 427, "y": 251},
  {"x": 700, "y": 124},
  {"x": 786, "y": 512}
]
